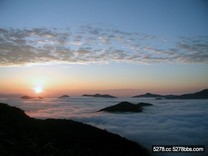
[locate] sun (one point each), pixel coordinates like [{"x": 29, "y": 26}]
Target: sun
[{"x": 38, "y": 89}]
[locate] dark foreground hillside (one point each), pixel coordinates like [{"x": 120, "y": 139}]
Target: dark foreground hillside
[{"x": 21, "y": 135}]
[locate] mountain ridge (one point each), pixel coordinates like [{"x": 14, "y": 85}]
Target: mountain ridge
[
  {"x": 22, "y": 135},
  {"x": 203, "y": 94},
  {"x": 99, "y": 95},
  {"x": 126, "y": 106}
]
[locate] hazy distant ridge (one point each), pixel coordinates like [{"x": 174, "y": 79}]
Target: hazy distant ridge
[
  {"x": 203, "y": 94},
  {"x": 99, "y": 95}
]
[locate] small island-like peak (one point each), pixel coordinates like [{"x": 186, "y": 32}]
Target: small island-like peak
[
  {"x": 63, "y": 96},
  {"x": 99, "y": 95},
  {"x": 148, "y": 95},
  {"x": 26, "y": 97},
  {"x": 126, "y": 106}
]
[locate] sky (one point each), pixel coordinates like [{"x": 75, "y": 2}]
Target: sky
[{"x": 120, "y": 47}]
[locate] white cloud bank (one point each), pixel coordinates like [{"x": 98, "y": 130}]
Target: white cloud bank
[
  {"x": 95, "y": 45},
  {"x": 168, "y": 122}
]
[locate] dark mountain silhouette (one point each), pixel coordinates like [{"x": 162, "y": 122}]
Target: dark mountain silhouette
[
  {"x": 99, "y": 95},
  {"x": 126, "y": 107},
  {"x": 21, "y": 135},
  {"x": 26, "y": 97},
  {"x": 148, "y": 95},
  {"x": 198, "y": 95},
  {"x": 63, "y": 96}
]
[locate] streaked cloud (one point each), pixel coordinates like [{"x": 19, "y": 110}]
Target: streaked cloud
[{"x": 96, "y": 45}]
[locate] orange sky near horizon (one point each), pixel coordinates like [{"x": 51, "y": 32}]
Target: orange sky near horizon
[
  {"x": 105, "y": 79},
  {"x": 121, "y": 48}
]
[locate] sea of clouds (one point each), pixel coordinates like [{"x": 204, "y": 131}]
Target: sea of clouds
[{"x": 168, "y": 122}]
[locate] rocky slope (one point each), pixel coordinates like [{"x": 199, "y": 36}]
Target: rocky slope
[{"x": 21, "y": 135}]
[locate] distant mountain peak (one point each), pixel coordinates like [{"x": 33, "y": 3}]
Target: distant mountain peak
[
  {"x": 203, "y": 91},
  {"x": 26, "y": 97},
  {"x": 203, "y": 94},
  {"x": 148, "y": 95},
  {"x": 99, "y": 95},
  {"x": 126, "y": 106},
  {"x": 63, "y": 96}
]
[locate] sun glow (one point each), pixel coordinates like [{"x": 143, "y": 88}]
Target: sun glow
[{"x": 38, "y": 89}]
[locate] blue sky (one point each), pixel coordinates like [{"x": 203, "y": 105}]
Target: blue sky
[
  {"x": 174, "y": 17},
  {"x": 151, "y": 45}
]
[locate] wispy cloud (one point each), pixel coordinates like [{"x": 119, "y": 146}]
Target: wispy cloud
[{"x": 95, "y": 45}]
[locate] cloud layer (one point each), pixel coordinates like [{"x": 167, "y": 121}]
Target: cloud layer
[
  {"x": 96, "y": 45},
  {"x": 168, "y": 122}
]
